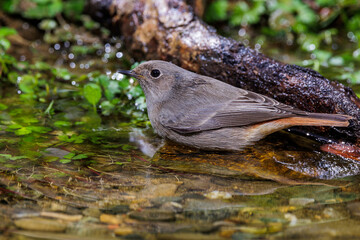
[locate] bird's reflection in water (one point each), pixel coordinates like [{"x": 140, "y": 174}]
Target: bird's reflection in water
[{"x": 282, "y": 157}]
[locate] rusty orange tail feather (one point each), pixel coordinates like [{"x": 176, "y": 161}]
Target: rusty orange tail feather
[{"x": 331, "y": 120}]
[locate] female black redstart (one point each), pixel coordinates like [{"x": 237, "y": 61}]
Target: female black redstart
[{"x": 206, "y": 113}]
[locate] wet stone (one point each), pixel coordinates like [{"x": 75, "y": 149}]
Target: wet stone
[
  {"x": 301, "y": 201},
  {"x": 172, "y": 206},
  {"x": 93, "y": 230},
  {"x": 41, "y": 224},
  {"x": 329, "y": 212},
  {"x": 118, "y": 209},
  {"x": 161, "y": 200},
  {"x": 210, "y": 210},
  {"x": 354, "y": 209},
  {"x": 111, "y": 219},
  {"x": 55, "y": 152},
  {"x": 193, "y": 196},
  {"x": 92, "y": 212},
  {"x": 123, "y": 231},
  {"x": 153, "y": 215},
  {"x": 160, "y": 190}
]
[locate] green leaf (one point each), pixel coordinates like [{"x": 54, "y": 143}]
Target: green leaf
[
  {"x": 44, "y": 9},
  {"x": 73, "y": 8},
  {"x": 13, "y": 76},
  {"x": 62, "y": 73},
  {"x": 47, "y": 24},
  {"x": 39, "y": 129},
  {"x": 23, "y": 131},
  {"x": 216, "y": 11},
  {"x": 3, "y": 107},
  {"x": 73, "y": 138},
  {"x": 107, "y": 108},
  {"x": 28, "y": 83},
  {"x": 14, "y": 126},
  {"x": 4, "y": 44},
  {"x": 7, "y": 156},
  {"x": 61, "y": 124},
  {"x": 69, "y": 155},
  {"x": 65, "y": 160},
  {"x": 80, "y": 156},
  {"x": 14, "y": 158},
  {"x": 5, "y": 31},
  {"x": 92, "y": 93}
]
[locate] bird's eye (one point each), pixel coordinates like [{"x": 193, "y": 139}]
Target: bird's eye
[{"x": 155, "y": 73}]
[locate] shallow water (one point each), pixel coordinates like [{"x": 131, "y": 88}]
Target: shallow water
[{"x": 80, "y": 175}]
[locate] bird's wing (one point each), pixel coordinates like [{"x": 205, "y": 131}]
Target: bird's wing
[{"x": 245, "y": 108}]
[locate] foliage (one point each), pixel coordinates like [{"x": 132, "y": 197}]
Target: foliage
[
  {"x": 39, "y": 9},
  {"x": 318, "y": 28}
]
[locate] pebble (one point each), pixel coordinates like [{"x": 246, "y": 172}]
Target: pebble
[
  {"x": 210, "y": 210},
  {"x": 274, "y": 227},
  {"x": 62, "y": 216},
  {"x": 253, "y": 229},
  {"x": 172, "y": 206},
  {"x": 41, "y": 224},
  {"x": 301, "y": 201},
  {"x": 159, "y": 190},
  {"x": 55, "y": 152},
  {"x": 218, "y": 195},
  {"x": 118, "y": 209},
  {"x": 161, "y": 200},
  {"x": 111, "y": 219},
  {"x": 329, "y": 212},
  {"x": 153, "y": 215},
  {"x": 123, "y": 231},
  {"x": 354, "y": 209},
  {"x": 92, "y": 212}
]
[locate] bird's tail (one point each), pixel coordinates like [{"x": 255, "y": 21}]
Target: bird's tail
[{"x": 320, "y": 119}]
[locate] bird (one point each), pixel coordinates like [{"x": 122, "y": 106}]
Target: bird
[{"x": 206, "y": 113}]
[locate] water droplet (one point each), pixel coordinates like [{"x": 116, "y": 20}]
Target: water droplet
[
  {"x": 57, "y": 46},
  {"x": 67, "y": 44},
  {"x": 242, "y": 32},
  {"x": 311, "y": 47},
  {"x": 119, "y": 54}
]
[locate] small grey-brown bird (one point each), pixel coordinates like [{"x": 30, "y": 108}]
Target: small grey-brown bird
[{"x": 206, "y": 113}]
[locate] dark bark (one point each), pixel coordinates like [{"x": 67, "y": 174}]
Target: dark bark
[{"x": 171, "y": 31}]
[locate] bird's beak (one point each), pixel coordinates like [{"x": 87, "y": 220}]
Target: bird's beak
[{"x": 129, "y": 73}]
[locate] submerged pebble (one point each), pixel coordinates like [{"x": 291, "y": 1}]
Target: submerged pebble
[
  {"x": 159, "y": 190},
  {"x": 153, "y": 215},
  {"x": 301, "y": 201},
  {"x": 123, "y": 231},
  {"x": 354, "y": 209},
  {"x": 41, "y": 224}
]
